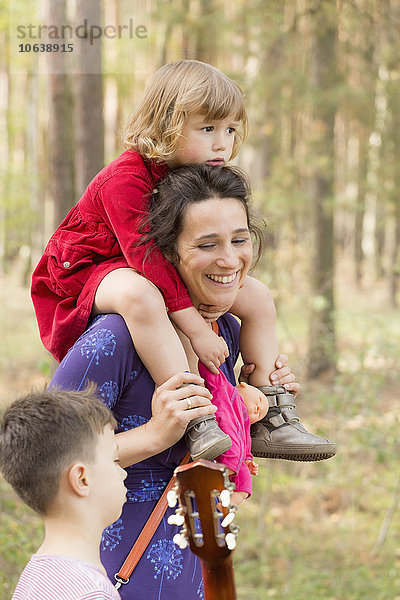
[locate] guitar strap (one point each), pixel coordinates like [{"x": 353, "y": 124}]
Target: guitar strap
[{"x": 122, "y": 577}]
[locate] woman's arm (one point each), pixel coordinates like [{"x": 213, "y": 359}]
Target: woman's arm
[
  {"x": 105, "y": 355},
  {"x": 170, "y": 416}
]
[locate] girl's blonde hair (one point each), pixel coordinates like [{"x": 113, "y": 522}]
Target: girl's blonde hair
[{"x": 175, "y": 91}]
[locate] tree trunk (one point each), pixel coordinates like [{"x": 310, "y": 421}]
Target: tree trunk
[
  {"x": 5, "y": 141},
  {"x": 362, "y": 173},
  {"x": 89, "y": 157},
  {"x": 395, "y": 259},
  {"x": 206, "y": 40},
  {"x": 60, "y": 146},
  {"x": 322, "y": 348}
]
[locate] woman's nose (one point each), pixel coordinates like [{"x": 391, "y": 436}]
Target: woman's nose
[{"x": 228, "y": 259}]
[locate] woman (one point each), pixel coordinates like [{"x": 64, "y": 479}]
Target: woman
[{"x": 207, "y": 236}]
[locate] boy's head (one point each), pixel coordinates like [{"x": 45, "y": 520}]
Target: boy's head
[
  {"x": 176, "y": 91},
  {"x": 42, "y": 434}
]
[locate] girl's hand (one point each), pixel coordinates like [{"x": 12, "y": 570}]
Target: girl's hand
[
  {"x": 170, "y": 407},
  {"x": 210, "y": 348},
  {"x": 284, "y": 376},
  {"x": 211, "y": 313}
]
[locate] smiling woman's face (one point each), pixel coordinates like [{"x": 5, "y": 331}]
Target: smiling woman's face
[{"x": 215, "y": 251}]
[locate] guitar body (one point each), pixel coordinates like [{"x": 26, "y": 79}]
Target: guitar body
[{"x": 199, "y": 488}]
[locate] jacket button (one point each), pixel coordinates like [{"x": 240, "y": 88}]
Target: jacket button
[{"x": 66, "y": 264}]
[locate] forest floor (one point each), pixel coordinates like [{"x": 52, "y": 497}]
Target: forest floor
[{"x": 311, "y": 529}]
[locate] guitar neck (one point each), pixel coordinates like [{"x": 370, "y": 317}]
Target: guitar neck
[
  {"x": 201, "y": 485},
  {"x": 219, "y": 581}
]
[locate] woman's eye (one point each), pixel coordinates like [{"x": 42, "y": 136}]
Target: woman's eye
[
  {"x": 239, "y": 241},
  {"x": 206, "y": 246}
]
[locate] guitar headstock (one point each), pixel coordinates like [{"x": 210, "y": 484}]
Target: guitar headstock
[{"x": 210, "y": 531}]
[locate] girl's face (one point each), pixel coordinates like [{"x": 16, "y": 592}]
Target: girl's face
[
  {"x": 209, "y": 142},
  {"x": 214, "y": 251}
]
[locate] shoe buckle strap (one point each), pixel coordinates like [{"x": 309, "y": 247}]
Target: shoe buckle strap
[
  {"x": 277, "y": 421},
  {"x": 287, "y": 415},
  {"x": 281, "y": 400},
  {"x": 285, "y": 400}
]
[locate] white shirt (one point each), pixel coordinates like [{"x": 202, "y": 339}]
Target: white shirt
[{"x": 56, "y": 577}]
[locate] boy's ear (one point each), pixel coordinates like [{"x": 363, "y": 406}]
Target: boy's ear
[{"x": 78, "y": 479}]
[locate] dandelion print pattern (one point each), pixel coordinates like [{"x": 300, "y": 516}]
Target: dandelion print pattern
[
  {"x": 149, "y": 490},
  {"x": 98, "y": 344},
  {"x": 132, "y": 375},
  {"x": 112, "y": 536},
  {"x": 200, "y": 591},
  {"x": 167, "y": 560},
  {"x": 131, "y": 422},
  {"x": 109, "y": 391}
]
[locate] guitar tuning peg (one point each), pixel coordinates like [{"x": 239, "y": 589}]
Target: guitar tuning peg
[
  {"x": 180, "y": 519},
  {"x": 176, "y": 519},
  {"x": 180, "y": 540},
  {"x": 225, "y": 498},
  {"x": 172, "y": 498},
  {"x": 228, "y": 519},
  {"x": 172, "y": 520},
  {"x": 230, "y": 540}
]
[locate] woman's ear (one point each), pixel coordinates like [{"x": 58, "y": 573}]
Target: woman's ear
[{"x": 78, "y": 479}]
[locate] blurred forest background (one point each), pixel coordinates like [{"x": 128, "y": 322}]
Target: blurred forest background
[{"x": 322, "y": 82}]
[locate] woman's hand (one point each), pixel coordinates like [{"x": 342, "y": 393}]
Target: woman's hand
[
  {"x": 171, "y": 413},
  {"x": 281, "y": 376},
  {"x": 172, "y": 410},
  {"x": 284, "y": 376},
  {"x": 210, "y": 348}
]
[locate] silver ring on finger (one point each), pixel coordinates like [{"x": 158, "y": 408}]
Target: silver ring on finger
[{"x": 189, "y": 403}]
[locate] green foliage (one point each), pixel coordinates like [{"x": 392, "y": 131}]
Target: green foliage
[{"x": 21, "y": 533}]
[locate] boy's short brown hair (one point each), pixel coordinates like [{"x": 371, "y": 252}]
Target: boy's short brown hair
[
  {"x": 175, "y": 91},
  {"x": 42, "y": 433}
]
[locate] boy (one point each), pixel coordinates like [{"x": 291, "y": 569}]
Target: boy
[{"x": 58, "y": 451}]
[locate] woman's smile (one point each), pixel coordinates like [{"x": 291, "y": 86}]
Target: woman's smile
[
  {"x": 214, "y": 251},
  {"x": 225, "y": 279}
]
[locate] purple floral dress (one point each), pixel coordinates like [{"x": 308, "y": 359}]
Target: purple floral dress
[{"x": 105, "y": 354}]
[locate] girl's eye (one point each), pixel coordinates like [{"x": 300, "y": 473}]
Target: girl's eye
[
  {"x": 231, "y": 130},
  {"x": 208, "y": 128}
]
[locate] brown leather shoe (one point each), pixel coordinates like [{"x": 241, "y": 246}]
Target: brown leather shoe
[
  {"x": 205, "y": 439},
  {"x": 281, "y": 435}
]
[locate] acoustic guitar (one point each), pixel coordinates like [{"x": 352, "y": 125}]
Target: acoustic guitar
[{"x": 204, "y": 490}]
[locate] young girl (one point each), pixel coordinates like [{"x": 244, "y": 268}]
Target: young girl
[{"x": 190, "y": 113}]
